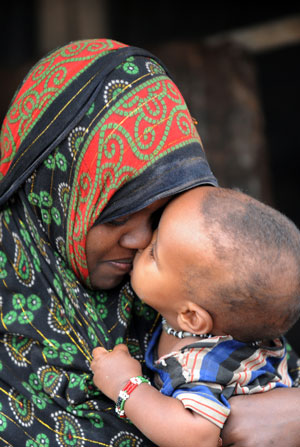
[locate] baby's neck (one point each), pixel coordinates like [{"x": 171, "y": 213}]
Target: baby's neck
[{"x": 168, "y": 343}]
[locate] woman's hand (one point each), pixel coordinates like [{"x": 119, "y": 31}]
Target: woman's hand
[
  {"x": 271, "y": 418},
  {"x": 113, "y": 369}
]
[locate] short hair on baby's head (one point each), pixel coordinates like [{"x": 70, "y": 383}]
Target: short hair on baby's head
[{"x": 260, "y": 250}]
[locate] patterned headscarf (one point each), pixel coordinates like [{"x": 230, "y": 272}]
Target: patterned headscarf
[{"x": 97, "y": 130}]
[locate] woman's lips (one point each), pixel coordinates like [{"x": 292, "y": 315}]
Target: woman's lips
[{"x": 124, "y": 265}]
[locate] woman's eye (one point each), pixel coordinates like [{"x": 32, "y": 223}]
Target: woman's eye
[
  {"x": 119, "y": 221},
  {"x": 155, "y": 218}
]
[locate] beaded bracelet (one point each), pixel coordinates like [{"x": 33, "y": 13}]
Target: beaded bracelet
[{"x": 126, "y": 391}]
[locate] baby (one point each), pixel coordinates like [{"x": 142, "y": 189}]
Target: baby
[{"x": 224, "y": 272}]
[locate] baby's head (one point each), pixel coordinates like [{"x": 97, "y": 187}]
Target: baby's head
[{"x": 222, "y": 262}]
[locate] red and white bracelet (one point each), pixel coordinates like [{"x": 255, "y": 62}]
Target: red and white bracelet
[{"x": 126, "y": 391}]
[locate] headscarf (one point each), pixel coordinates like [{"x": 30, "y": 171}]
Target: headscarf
[{"x": 96, "y": 130}]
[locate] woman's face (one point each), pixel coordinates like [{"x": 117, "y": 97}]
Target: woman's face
[{"x": 111, "y": 247}]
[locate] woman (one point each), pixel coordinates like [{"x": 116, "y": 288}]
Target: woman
[{"x": 96, "y": 141}]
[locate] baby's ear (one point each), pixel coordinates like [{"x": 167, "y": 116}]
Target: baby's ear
[{"x": 195, "y": 319}]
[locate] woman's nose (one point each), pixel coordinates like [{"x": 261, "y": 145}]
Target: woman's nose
[{"x": 138, "y": 238}]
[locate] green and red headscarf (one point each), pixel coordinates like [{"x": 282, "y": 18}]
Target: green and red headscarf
[{"x": 97, "y": 130}]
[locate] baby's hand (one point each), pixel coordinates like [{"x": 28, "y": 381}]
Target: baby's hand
[{"x": 113, "y": 369}]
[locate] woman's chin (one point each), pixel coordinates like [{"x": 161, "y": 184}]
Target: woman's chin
[{"x": 107, "y": 283}]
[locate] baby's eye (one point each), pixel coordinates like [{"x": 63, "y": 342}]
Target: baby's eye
[{"x": 151, "y": 250}]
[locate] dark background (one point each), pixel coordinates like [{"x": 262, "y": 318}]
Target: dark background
[{"x": 151, "y": 24}]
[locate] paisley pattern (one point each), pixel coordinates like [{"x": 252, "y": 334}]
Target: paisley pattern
[
  {"x": 17, "y": 347},
  {"x": 21, "y": 408},
  {"x": 125, "y": 439},
  {"x": 23, "y": 267},
  {"x": 68, "y": 431},
  {"x": 96, "y": 129},
  {"x": 43, "y": 85}
]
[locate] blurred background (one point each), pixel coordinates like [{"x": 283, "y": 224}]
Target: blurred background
[{"x": 238, "y": 68}]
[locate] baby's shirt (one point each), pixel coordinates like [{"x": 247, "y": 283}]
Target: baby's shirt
[{"x": 205, "y": 374}]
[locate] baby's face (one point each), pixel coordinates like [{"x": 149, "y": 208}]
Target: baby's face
[{"x": 158, "y": 270}]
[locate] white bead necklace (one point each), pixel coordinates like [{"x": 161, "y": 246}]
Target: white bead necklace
[{"x": 181, "y": 334}]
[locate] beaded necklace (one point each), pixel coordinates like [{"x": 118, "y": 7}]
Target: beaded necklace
[{"x": 181, "y": 334}]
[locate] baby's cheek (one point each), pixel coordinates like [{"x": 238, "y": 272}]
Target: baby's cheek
[{"x": 133, "y": 275}]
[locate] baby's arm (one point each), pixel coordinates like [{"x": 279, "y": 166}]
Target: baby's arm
[{"x": 162, "y": 419}]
